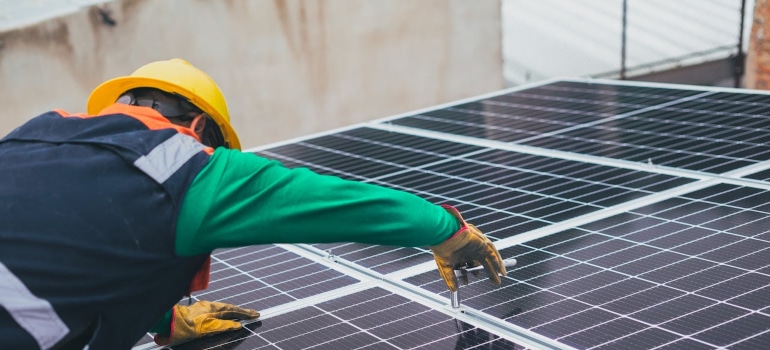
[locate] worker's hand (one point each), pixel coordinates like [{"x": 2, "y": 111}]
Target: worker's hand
[
  {"x": 202, "y": 319},
  {"x": 468, "y": 247}
]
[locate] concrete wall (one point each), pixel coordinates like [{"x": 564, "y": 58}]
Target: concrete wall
[
  {"x": 287, "y": 67},
  {"x": 757, "y": 69}
]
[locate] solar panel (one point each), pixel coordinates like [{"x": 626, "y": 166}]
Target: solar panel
[
  {"x": 638, "y": 214},
  {"x": 683, "y": 268},
  {"x": 697, "y": 130}
]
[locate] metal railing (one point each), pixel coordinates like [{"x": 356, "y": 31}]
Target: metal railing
[{"x": 738, "y": 60}]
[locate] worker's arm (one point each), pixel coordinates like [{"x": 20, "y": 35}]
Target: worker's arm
[{"x": 242, "y": 199}]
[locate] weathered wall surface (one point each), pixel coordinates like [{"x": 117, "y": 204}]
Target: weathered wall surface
[
  {"x": 757, "y": 69},
  {"x": 287, "y": 67}
]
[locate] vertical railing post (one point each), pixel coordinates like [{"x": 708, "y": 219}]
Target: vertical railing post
[
  {"x": 623, "y": 44},
  {"x": 740, "y": 57}
]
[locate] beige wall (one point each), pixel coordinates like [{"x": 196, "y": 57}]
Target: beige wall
[{"x": 287, "y": 68}]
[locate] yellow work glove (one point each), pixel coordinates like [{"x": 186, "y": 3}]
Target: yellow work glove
[
  {"x": 469, "y": 248},
  {"x": 202, "y": 319}
]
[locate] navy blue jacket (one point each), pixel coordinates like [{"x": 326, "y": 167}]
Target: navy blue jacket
[{"x": 91, "y": 203}]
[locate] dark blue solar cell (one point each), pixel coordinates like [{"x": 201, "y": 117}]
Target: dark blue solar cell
[
  {"x": 607, "y": 332},
  {"x": 641, "y": 299},
  {"x": 624, "y": 256},
  {"x": 573, "y": 322},
  {"x": 737, "y": 330},
  {"x": 755, "y": 300},
  {"x": 587, "y": 283},
  {"x": 673, "y": 309},
  {"x": 707, "y": 244},
  {"x": 705, "y": 278},
  {"x": 752, "y": 228},
  {"x": 736, "y": 249},
  {"x": 612, "y": 292},
  {"x": 645, "y": 339},
  {"x": 753, "y": 261},
  {"x": 687, "y": 343},
  {"x": 757, "y": 342},
  {"x": 703, "y": 319},
  {"x": 532, "y": 317},
  {"x": 564, "y": 272},
  {"x": 672, "y": 133},
  {"x": 600, "y": 249},
  {"x": 677, "y": 270},
  {"x": 240, "y": 339}
]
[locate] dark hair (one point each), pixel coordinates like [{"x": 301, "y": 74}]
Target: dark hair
[{"x": 211, "y": 136}]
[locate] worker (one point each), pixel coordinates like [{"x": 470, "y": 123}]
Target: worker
[{"x": 108, "y": 219}]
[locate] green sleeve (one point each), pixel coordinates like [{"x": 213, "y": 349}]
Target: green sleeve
[
  {"x": 242, "y": 199},
  {"x": 163, "y": 326}
]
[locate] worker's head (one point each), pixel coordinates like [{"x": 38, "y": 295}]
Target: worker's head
[{"x": 182, "y": 93}]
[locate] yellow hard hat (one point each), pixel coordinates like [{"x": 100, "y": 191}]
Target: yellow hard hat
[{"x": 174, "y": 76}]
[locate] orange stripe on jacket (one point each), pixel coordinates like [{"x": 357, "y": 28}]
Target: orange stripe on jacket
[{"x": 148, "y": 116}]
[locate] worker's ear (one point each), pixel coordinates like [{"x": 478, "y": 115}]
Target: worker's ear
[{"x": 198, "y": 125}]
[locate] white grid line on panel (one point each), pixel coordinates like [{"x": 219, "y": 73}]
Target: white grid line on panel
[
  {"x": 715, "y": 263},
  {"x": 684, "y": 292},
  {"x": 671, "y": 108},
  {"x": 518, "y": 117},
  {"x": 421, "y": 192},
  {"x": 462, "y": 123},
  {"x": 694, "y": 125},
  {"x": 502, "y": 168},
  {"x": 229, "y": 264},
  {"x": 395, "y": 146},
  {"x": 316, "y": 299},
  {"x": 630, "y": 83},
  {"x": 577, "y": 221},
  {"x": 730, "y": 177},
  {"x": 613, "y": 93},
  {"x": 743, "y": 340},
  {"x": 669, "y": 148},
  {"x": 654, "y": 284},
  {"x": 691, "y": 337},
  {"x": 619, "y": 315},
  {"x": 637, "y": 131},
  {"x": 509, "y": 332},
  {"x": 241, "y": 272},
  {"x": 306, "y": 333},
  {"x": 375, "y": 180},
  {"x": 415, "y": 191},
  {"x": 340, "y": 321},
  {"x": 385, "y": 253},
  {"x": 618, "y": 116}
]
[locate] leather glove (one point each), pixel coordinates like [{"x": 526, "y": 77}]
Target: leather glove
[
  {"x": 202, "y": 319},
  {"x": 468, "y": 247}
]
